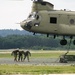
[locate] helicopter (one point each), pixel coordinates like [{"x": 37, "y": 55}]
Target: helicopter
[{"x": 45, "y": 20}]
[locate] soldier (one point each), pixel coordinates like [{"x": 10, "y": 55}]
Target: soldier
[
  {"x": 27, "y": 54},
  {"x": 15, "y": 53},
  {"x": 20, "y": 55}
]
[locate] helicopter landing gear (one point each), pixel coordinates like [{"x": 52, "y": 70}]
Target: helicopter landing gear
[
  {"x": 63, "y": 42},
  {"x": 74, "y": 42}
]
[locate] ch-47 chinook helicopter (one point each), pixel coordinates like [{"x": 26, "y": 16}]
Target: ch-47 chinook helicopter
[{"x": 44, "y": 19}]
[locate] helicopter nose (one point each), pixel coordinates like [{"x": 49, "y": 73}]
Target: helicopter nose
[
  {"x": 22, "y": 24},
  {"x": 26, "y": 25}
]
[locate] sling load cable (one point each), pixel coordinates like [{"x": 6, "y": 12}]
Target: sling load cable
[{"x": 69, "y": 45}]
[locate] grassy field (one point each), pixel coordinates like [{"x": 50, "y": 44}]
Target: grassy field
[
  {"x": 36, "y": 69},
  {"x": 23, "y": 69},
  {"x": 38, "y": 54}
]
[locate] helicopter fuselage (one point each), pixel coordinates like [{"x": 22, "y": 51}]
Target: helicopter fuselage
[
  {"x": 58, "y": 22},
  {"x": 44, "y": 19}
]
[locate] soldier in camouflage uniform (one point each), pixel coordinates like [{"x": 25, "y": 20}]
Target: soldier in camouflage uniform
[
  {"x": 27, "y": 54},
  {"x": 15, "y": 54},
  {"x": 20, "y": 55}
]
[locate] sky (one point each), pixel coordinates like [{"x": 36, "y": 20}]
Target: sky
[{"x": 15, "y": 11}]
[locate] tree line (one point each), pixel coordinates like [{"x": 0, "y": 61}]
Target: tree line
[
  {"x": 27, "y": 41},
  {"x": 5, "y": 32},
  {"x": 30, "y": 42}
]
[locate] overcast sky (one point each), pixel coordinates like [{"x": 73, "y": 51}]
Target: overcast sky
[{"x": 14, "y": 11}]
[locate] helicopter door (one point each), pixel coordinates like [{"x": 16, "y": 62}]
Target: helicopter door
[{"x": 54, "y": 23}]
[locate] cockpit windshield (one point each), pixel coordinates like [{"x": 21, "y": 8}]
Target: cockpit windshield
[{"x": 33, "y": 15}]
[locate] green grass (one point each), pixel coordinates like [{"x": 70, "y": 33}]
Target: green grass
[
  {"x": 3, "y": 55},
  {"x": 23, "y": 69},
  {"x": 36, "y": 69},
  {"x": 40, "y": 54},
  {"x": 34, "y": 55}
]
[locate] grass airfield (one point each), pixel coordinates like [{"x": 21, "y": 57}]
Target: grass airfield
[{"x": 47, "y": 63}]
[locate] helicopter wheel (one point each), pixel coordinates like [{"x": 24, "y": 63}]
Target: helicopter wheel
[
  {"x": 63, "y": 42},
  {"x": 74, "y": 42}
]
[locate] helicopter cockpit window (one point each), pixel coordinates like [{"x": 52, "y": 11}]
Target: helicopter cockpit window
[
  {"x": 34, "y": 16},
  {"x": 37, "y": 17},
  {"x": 53, "y": 20},
  {"x": 31, "y": 16}
]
